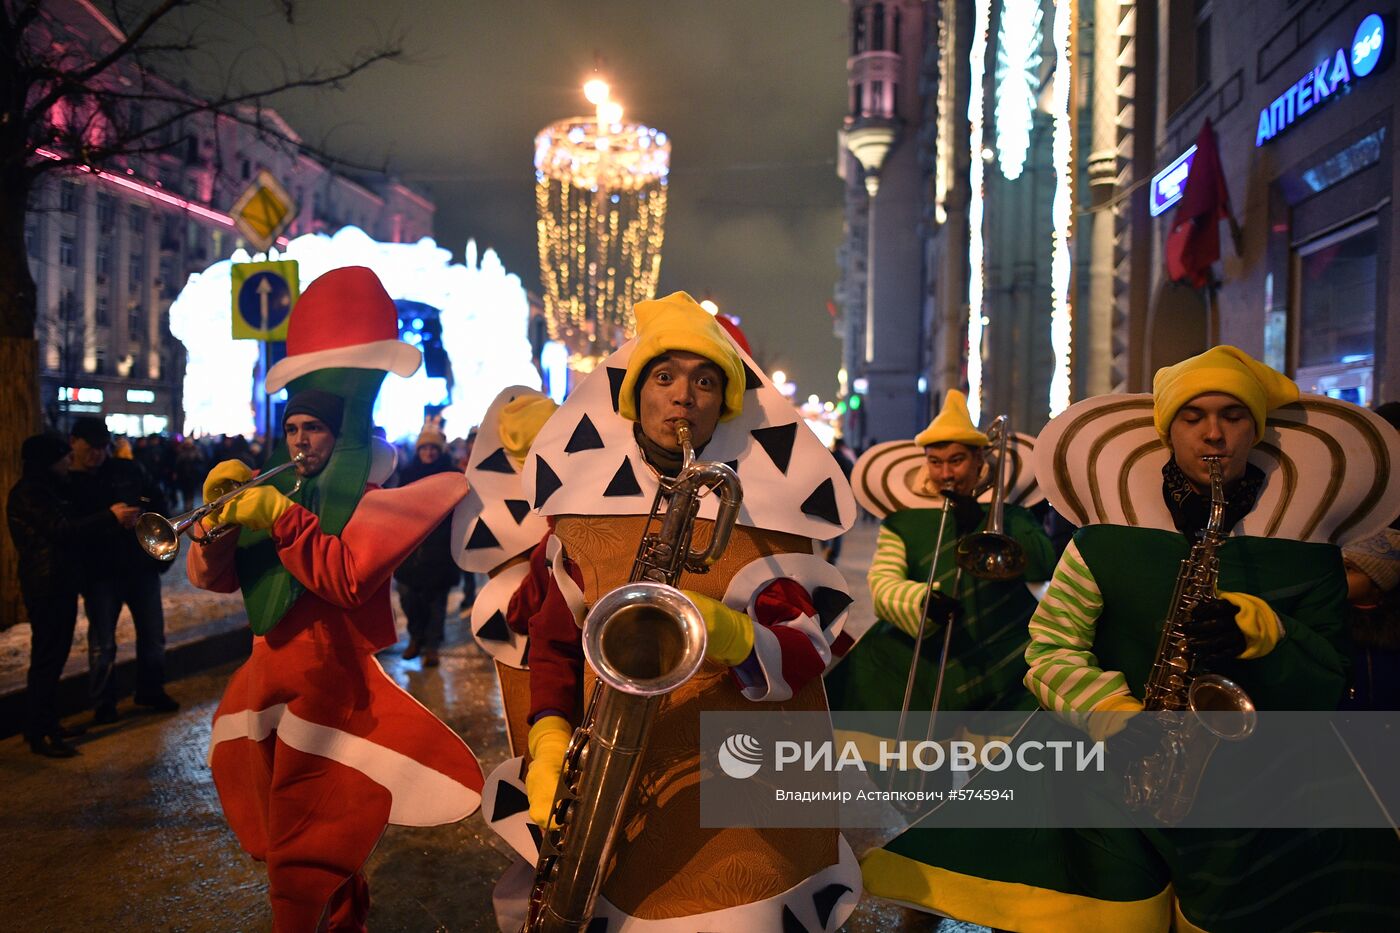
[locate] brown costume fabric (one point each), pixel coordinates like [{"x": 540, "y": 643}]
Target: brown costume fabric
[
  {"x": 515, "y": 703},
  {"x": 698, "y": 869}
]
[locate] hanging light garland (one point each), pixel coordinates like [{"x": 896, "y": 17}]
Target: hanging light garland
[{"x": 600, "y": 195}]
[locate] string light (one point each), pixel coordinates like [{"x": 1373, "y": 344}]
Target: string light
[
  {"x": 977, "y": 172},
  {"x": 1061, "y": 261},
  {"x": 1017, "y": 81},
  {"x": 600, "y": 199}
]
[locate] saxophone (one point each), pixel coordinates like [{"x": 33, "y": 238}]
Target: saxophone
[
  {"x": 643, "y": 639},
  {"x": 1165, "y": 782}
]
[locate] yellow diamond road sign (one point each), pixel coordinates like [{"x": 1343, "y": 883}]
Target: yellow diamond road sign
[{"x": 263, "y": 211}]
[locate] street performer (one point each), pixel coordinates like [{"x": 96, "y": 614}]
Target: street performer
[
  {"x": 772, "y": 610},
  {"x": 1135, "y": 473},
  {"x": 986, "y": 652},
  {"x": 314, "y": 749}
]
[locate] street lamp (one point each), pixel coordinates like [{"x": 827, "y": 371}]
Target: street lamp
[{"x": 600, "y": 196}]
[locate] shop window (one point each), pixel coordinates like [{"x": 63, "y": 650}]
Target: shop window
[{"x": 1337, "y": 298}]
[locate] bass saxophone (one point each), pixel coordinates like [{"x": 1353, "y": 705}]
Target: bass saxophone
[
  {"x": 1165, "y": 782},
  {"x": 643, "y": 639}
]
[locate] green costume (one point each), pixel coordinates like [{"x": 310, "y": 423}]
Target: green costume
[
  {"x": 986, "y": 662},
  {"x": 1094, "y": 638}
]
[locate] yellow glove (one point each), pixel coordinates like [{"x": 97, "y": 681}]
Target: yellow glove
[
  {"x": 257, "y": 508},
  {"x": 730, "y": 633},
  {"x": 549, "y": 739},
  {"x": 220, "y": 479},
  {"x": 1261, "y": 626}
]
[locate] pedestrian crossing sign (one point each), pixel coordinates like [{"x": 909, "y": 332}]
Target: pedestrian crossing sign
[
  {"x": 263, "y": 211},
  {"x": 263, "y": 296}
]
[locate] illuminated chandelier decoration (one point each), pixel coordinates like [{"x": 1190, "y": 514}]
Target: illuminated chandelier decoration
[
  {"x": 1018, "y": 82},
  {"x": 600, "y": 192}
]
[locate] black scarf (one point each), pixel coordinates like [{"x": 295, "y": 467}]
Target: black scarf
[
  {"x": 1190, "y": 509},
  {"x": 666, "y": 462}
]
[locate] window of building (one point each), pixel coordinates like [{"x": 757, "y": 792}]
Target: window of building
[
  {"x": 1202, "y": 43},
  {"x": 858, "y": 33},
  {"x": 106, "y": 211},
  {"x": 877, "y": 98},
  {"x": 68, "y": 305},
  {"x": 134, "y": 321},
  {"x": 67, "y": 197},
  {"x": 67, "y": 250},
  {"x": 877, "y": 27},
  {"x": 100, "y": 314},
  {"x": 136, "y": 271},
  {"x": 104, "y": 259},
  {"x": 1337, "y": 313},
  {"x": 894, "y": 45},
  {"x": 99, "y": 360},
  {"x": 136, "y": 220}
]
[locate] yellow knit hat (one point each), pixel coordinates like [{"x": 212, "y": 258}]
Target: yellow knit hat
[
  {"x": 953, "y": 425},
  {"x": 1220, "y": 369},
  {"x": 677, "y": 322},
  {"x": 521, "y": 420}
]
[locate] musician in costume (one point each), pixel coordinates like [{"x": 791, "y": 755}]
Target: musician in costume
[
  {"x": 1129, "y": 471},
  {"x": 772, "y": 610},
  {"x": 314, "y": 749},
  {"x": 904, "y": 482}
]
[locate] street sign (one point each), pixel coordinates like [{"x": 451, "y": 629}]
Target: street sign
[
  {"x": 263, "y": 295},
  {"x": 263, "y": 211}
]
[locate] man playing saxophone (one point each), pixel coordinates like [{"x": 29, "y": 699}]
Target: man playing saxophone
[
  {"x": 1273, "y": 625},
  {"x": 771, "y": 609}
]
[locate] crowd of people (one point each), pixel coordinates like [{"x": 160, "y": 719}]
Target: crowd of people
[{"x": 549, "y": 503}]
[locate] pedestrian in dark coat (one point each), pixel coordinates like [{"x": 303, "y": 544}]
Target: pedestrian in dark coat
[
  {"x": 429, "y": 573},
  {"x": 117, "y": 572},
  {"x": 48, "y": 532}
]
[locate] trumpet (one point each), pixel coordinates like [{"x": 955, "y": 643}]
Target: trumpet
[{"x": 160, "y": 536}]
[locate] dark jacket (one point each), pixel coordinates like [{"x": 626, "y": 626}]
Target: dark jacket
[
  {"x": 430, "y": 566},
  {"x": 50, "y": 534},
  {"x": 115, "y": 552}
]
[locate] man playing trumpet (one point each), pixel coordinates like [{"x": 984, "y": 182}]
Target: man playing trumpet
[{"x": 314, "y": 749}]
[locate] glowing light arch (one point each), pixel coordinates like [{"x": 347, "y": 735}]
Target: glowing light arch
[{"x": 483, "y": 311}]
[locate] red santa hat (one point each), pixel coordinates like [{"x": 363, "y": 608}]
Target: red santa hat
[
  {"x": 344, "y": 319},
  {"x": 731, "y": 326}
]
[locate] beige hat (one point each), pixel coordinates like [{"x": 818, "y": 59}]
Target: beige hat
[{"x": 1378, "y": 558}]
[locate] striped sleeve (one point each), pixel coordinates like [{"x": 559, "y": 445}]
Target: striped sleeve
[
  {"x": 898, "y": 599},
  {"x": 1064, "y": 674}
]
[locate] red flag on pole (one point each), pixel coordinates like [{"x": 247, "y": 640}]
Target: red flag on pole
[{"x": 1193, "y": 242}]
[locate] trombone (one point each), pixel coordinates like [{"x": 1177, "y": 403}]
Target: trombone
[
  {"x": 160, "y": 536},
  {"x": 990, "y": 554}
]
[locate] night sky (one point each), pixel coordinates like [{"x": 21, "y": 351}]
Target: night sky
[{"x": 751, "y": 93}]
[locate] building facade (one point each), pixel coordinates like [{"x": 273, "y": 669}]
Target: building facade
[
  {"x": 110, "y": 250},
  {"x": 1049, "y": 143},
  {"x": 1305, "y": 128}
]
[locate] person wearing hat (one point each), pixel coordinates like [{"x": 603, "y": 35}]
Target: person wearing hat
[
  {"x": 117, "y": 572},
  {"x": 1129, "y": 471},
  {"x": 314, "y": 750},
  {"x": 594, "y": 470},
  {"x": 988, "y": 640},
  {"x": 428, "y": 574},
  {"x": 49, "y": 533}
]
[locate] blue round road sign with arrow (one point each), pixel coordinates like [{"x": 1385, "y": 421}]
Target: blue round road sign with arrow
[{"x": 264, "y": 301}]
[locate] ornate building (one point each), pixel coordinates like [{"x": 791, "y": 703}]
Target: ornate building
[{"x": 110, "y": 250}]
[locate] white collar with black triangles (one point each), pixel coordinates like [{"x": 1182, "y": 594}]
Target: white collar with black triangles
[
  {"x": 494, "y": 522},
  {"x": 586, "y": 461}
]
